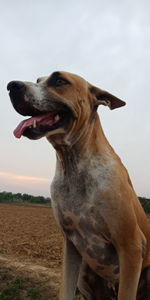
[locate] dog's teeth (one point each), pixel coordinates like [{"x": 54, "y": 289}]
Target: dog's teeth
[
  {"x": 34, "y": 124},
  {"x": 57, "y": 118}
]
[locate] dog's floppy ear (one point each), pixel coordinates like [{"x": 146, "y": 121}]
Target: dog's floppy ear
[{"x": 105, "y": 98}]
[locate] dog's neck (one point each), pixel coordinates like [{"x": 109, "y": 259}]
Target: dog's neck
[{"x": 89, "y": 142}]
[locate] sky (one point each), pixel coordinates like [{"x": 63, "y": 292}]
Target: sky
[{"x": 106, "y": 42}]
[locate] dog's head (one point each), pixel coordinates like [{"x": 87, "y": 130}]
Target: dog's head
[{"x": 57, "y": 104}]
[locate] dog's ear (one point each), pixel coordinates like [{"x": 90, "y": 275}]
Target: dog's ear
[{"x": 105, "y": 98}]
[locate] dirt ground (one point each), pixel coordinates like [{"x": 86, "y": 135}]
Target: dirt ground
[
  {"x": 30, "y": 232},
  {"x": 30, "y": 250}
]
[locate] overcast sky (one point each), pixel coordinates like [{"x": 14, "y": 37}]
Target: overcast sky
[{"x": 106, "y": 42}]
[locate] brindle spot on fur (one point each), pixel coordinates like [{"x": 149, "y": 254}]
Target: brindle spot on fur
[
  {"x": 99, "y": 268},
  {"x": 85, "y": 226},
  {"x": 116, "y": 270},
  {"x": 99, "y": 224},
  {"x": 81, "y": 243},
  {"x": 89, "y": 251},
  {"x": 76, "y": 239},
  {"x": 67, "y": 221},
  {"x": 95, "y": 240},
  {"x": 104, "y": 254},
  {"x": 64, "y": 219},
  {"x": 68, "y": 232},
  {"x": 96, "y": 251}
]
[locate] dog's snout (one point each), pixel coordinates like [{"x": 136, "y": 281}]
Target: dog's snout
[{"x": 16, "y": 86}]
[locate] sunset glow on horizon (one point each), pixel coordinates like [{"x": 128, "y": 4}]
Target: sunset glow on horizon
[
  {"x": 21, "y": 177},
  {"x": 11, "y": 182}
]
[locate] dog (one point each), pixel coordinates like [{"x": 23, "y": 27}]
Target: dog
[{"x": 106, "y": 232}]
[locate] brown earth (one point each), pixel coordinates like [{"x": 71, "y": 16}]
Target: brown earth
[
  {"x": 30, "y": 232},
  {"x": 31, "y": 248}
]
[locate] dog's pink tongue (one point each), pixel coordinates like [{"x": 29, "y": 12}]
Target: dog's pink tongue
[{"x": 46, "y": 119}]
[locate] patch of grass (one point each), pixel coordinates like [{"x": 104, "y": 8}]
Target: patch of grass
[
  {"x": 24, "y": 285},
  {"x": 34, "y": 293},
  {"x": 17, "y": 289},
  {"x": 12, "y": 291},
  {"x": 5, "y": 277}
]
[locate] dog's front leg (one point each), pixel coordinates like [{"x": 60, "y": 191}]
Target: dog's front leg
[
  {"x": 130, "y": 258},
  {"x": 71, "y": 267},
  {"x": 129, "y": 276}
]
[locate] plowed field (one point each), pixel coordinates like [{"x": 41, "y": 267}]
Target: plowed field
[
  {"x": 30, "y": 232},
  {"x": 30, "y": 244}
]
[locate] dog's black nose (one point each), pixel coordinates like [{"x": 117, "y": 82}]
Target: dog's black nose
[{"x": 16, "y": 86}]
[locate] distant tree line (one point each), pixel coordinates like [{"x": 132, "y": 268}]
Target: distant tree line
[
  {"x": 8, "y": 197},
  {"x": 145, "y": 203}
]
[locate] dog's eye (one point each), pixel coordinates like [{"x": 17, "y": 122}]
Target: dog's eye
[
  {"x": 60, "y": 82},
  {"x": 57, "y": 81}
]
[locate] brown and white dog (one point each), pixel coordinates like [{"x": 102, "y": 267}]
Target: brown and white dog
[{"x": 107, "y": 234}]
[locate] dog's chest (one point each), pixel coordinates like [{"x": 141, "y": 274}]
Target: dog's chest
[
  {"x": 74, "y": 193},
  {"x": 91, "y": 238},
  {"x": 83, "y": 187},
  {"x": 77, "y": 207}
]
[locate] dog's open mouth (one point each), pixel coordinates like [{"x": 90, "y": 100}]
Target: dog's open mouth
[
  {"x": 37, "y": 126},
  {"x": 42, "y": 119}
]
